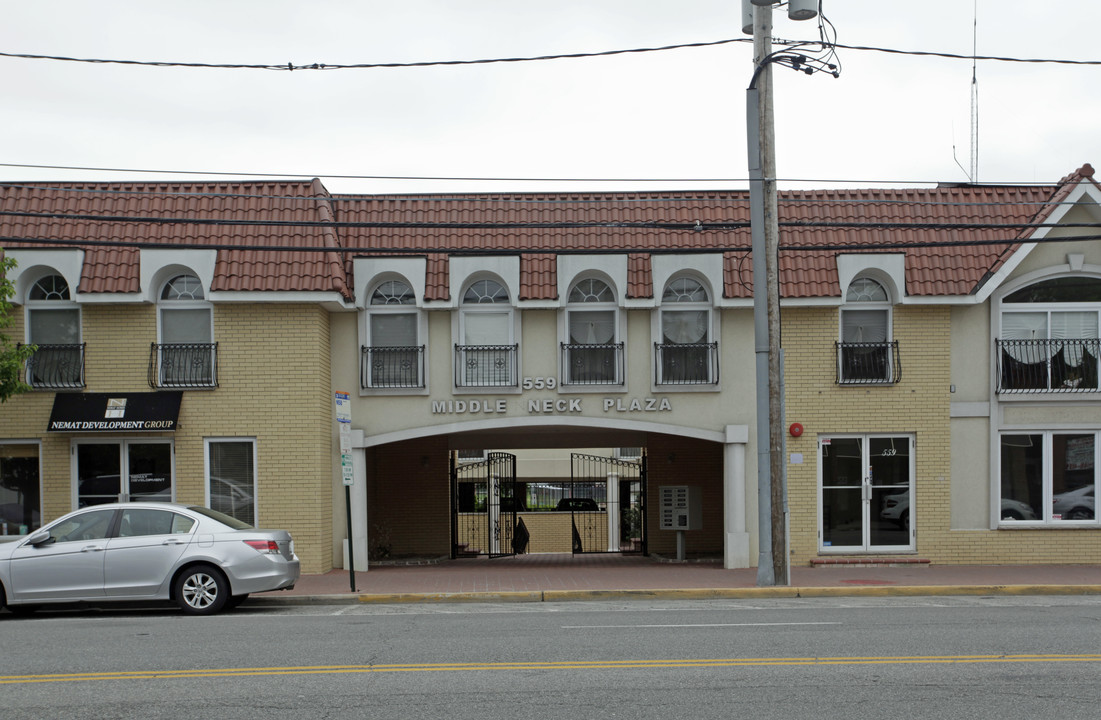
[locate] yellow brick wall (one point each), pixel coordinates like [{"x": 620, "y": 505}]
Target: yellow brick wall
[
  {"x": 917, "y": 405},
  {"x": 274, "y": 386}
]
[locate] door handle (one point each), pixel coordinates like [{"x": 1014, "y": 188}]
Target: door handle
[
  {"x": 91, "y": 548},
  {"x": 172, "y": 541}
]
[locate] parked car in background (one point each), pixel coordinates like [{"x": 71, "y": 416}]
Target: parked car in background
[
  {"x": 1075, "y": 504},
  {"x": 200, "y": 559},
  {"x": 896, "y": 508}
]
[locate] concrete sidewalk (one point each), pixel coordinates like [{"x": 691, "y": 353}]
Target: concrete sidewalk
[{"x": 546, "y": 578}]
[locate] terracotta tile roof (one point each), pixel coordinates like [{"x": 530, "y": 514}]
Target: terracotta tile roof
[
  {"x": 538, "y": 277},
  {"x": 111, "y": 269},
  {"x": 261, "y": 257},
  {"x": 548, "y": 223}
]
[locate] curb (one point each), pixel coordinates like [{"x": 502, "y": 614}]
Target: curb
[{"x": 675, "y": 594}]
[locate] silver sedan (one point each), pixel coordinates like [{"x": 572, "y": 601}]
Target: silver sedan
[{"x": 201, "y": 559}]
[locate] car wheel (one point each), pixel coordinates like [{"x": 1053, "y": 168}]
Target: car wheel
[
  {"x": 201, "y": 590},
  {"x": 1080, "y": 513}
]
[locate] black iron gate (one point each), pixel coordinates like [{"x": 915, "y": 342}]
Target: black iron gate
[
  {"x": 483, "y": 508},
  {"x": 607, "y": 503}
]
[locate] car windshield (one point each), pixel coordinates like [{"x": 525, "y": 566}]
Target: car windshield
[{"x": 227, "y": 520}]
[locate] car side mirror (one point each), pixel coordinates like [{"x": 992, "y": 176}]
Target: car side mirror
[{"x": 40, "y": 537}]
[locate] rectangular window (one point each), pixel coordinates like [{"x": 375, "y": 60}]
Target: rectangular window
[
  {"x": 1049, "y": 477},
  {"x": 393, "y": 359},
  {"x": 20, "y": 489},
  {"x": 231, "y": 478},
  {"x": 109, "y": 472}
]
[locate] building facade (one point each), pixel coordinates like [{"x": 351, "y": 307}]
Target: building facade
[{"x": 492, "y": 374}]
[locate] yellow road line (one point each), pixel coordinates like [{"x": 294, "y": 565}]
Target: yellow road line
[{"x": 536, "y": 665}]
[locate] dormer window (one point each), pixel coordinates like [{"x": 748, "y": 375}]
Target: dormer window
[
  {"x": 592, "y": 354},
  {"x": 487, "y": 354},
  {"x": 687, "y": 354},
  {"x": 393, "y": 356},
  {"x": 866, "y": 353},
  {"x": 186, "y": 355},
  {"x": 53, "y": 324}
]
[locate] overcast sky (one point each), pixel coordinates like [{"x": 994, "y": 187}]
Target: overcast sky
[{"x": 671, "y": 114}]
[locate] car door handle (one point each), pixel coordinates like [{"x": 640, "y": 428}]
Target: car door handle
[
  {"x": 91, "y": 548},
  {"x": 172, "y": 541}
]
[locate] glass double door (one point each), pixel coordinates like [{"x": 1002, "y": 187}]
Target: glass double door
[
  {"x": 865, "y": 491},
  {"x": 122, "y": 471}
]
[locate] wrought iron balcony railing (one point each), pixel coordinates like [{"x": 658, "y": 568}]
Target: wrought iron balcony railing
[
  {"x": 592, "y": 364},
  {"x": 485, "y": 365},
  {"x": 183, "y": 365},
  {"x": 868, "y": 363},
  {"x": 392, "y": 367},
  {"x": 56, "y": 367},
  {"x": 686, "y": 363},
  {"x": 1040, "y": 366}
]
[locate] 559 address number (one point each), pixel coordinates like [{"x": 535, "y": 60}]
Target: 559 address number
[{"x": 539, "y": 383}]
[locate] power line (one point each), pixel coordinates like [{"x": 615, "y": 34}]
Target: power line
[
  {"x": 540, "y": 250},
  {"x": 291, "y": 66},
  {"x": 537, "y": 225}
]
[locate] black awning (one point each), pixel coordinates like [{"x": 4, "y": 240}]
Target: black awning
[{"x": 115, "y": 412}]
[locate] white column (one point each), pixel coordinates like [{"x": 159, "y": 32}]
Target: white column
[
  {"x": 359, "y": 505},
  {"x": 613, "y": 511},
  {"x": 736, "y": 551}
]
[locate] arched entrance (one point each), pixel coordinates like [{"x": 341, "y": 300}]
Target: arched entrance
[{"x": 482, "y": 489}]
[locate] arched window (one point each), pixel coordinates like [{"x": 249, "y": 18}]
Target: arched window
[
  {"x": 592, "y": 354},
  {"x": 866, "y": 352},
  {"x": 393, "y": 357},
  {"x": 186, "y": 355},
  {"x": 487, "y": 354},
  {"x": 53, "y": 324},
  {"x": 1048, "y": 340},
  {"x": 687, "y": 355}
]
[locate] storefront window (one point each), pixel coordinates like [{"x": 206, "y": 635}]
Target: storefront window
[
  {"x": 20, "y": 489},
  {"x": 231, "y": 478},
  {"x": 123, "y": 471},
  {"x": 1049, "y": 477}
]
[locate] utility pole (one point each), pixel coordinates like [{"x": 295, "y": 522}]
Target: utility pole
[
  {"x": 760, "y": 127},
  {"x": 772, "y": 510}
]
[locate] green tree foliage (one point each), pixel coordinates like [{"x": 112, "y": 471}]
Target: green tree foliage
[{"x": 12, "y": 356}]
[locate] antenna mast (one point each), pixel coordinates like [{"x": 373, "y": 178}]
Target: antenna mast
[{"x": 975, "y": 98}]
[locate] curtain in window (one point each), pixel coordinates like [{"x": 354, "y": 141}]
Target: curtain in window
[
  {"x": 684, "y": 326},
  {"x": 393, "y": 330},
  {"x": 55, "y": 327},
  {"x": 1074, "y": 326},
  {"x": 185, "y": 326},
  {"x": 231, "y": 480},
  {"x": 592, "y": 328},
  {"x": 486, "y": 328},
  {"x": 864, "y": 326}
]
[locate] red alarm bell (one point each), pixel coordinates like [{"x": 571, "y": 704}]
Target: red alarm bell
[{"x": 796, "y": 429}]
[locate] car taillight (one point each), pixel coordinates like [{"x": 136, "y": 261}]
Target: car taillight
[{"x": 264, "y": 546}]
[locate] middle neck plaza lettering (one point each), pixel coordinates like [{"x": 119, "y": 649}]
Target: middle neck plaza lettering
[{"x": 547, "y": 406}]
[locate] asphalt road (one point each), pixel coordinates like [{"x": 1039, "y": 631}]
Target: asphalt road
[{"x": 854, "y": 658}]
